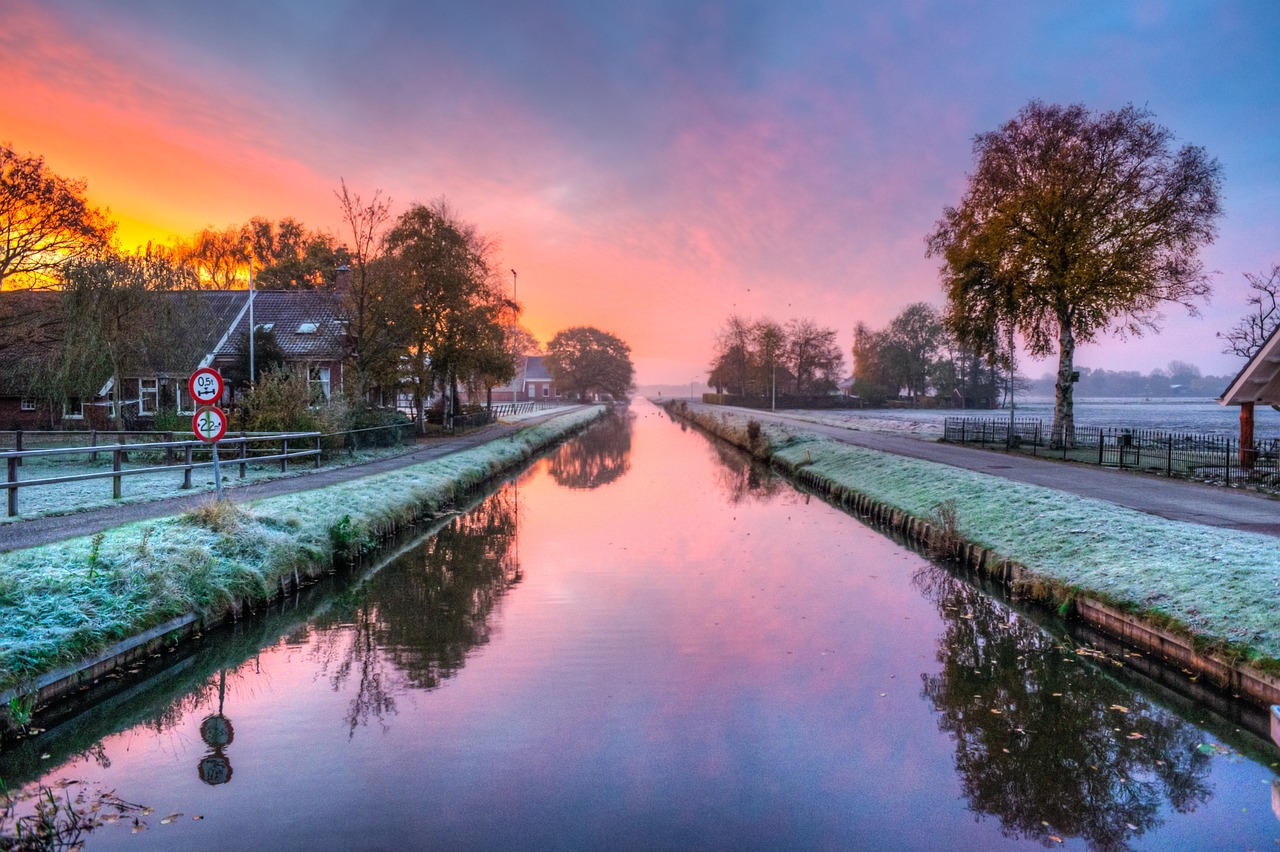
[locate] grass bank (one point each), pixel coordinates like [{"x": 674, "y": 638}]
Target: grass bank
[
  {"x": 63, "y": 602},
  {"x": 1220, "y": 588}
]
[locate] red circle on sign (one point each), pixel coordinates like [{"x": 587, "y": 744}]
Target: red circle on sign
[
  {"x": 205, "y": 386},
  {"x": 209, "y": 424}
]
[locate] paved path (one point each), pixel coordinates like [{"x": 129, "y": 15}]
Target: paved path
[
  {"x": 31, "y": 533},
  {"x": 1175, "y": 499}
]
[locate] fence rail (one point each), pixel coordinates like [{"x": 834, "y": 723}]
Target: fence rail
[
  {"x": 190, "y": 451},
  {"x": 1209, "y": 457}
]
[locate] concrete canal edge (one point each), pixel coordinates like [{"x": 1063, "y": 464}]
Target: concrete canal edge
[
  {"x": 1235, "y": 677},
  {"x": 62, "y": 682}
]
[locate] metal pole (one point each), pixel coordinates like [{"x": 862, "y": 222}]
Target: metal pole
[
  {"x": 1009, "y": 437},
  {"x": 217, "y": 471},
  {"x": 252, "y": 330},
  {"x": 515, "y": 328}
]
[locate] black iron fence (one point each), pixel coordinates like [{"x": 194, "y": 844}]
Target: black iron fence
[{"x": 1206, "y": 457}]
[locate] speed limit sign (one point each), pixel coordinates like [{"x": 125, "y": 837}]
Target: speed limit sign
[
  {"x": 209, "y": 424},
  {"x": 205, "y": 386}
]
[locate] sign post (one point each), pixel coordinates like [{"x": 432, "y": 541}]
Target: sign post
[{"x": 210, "y": 421}]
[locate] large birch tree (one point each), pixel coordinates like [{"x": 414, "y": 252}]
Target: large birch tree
[{"x": 1087, "y": 223}]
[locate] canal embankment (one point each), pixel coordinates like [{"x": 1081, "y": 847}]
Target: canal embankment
[
  {"x": 1205, "y": 599},
  {"x": 74, "y": 610}
]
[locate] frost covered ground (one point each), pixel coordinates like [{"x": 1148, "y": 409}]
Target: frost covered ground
[
  {"x": 1198, "y": 416},
  {"x": 67, "y": 497},
  {"x": 1220, "y": 584},
  {"x": 61, "y": 602}
]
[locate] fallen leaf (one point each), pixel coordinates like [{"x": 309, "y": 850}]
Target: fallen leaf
[
  {"x": 1118, "y": 707},
  {"x": 170, "y": 818}
]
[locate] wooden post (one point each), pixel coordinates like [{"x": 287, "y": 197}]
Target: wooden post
[
  {"x": 1248, "y": 453},
  {"x": 317, "y": 452},
  {"x": 17, "y": 443},
  {"x": 186, "y": 474},
  {"x": 244, "y": 453},
  {"x": 284, "y": 455},
  {"x": 115, "y": 466},
  {"x": 13, "y": 486}
]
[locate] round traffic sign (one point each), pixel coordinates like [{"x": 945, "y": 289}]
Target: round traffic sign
[
  {"x": 205, "y": 386},
  {"x": 209, "y": 424}
]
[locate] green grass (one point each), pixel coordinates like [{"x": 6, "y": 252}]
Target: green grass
[
  {"x": 62, "y": 602},
  {"x": 1220, "y": 586}
]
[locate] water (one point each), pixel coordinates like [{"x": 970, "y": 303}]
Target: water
[{"x": 645, "y": 642}]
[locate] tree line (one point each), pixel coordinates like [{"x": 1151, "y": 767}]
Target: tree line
[
  {"x": 763, "y": 358},
  {"x": 1073, "y": 224},
  {"x": 424, "y": 302}
]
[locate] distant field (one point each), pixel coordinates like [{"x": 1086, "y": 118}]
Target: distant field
[{"x": 1171, "y": 415}]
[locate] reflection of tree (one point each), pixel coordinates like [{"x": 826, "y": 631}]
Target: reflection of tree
[
  {"x": 412, "y": 625},
  {"x": 739, "y": 476},
  {"x": 1046, "y": 742},
  {"x": 597, "y": 457}
]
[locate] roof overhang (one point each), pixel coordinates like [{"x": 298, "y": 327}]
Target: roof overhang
[{"x": 1259, "y": 381}]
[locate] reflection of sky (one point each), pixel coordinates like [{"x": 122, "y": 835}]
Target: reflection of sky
[
  {"x": 647, "y": 167},
  {"x": 672, "y": 670}
]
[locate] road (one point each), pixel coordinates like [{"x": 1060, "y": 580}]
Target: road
[{"x": 1175, "y": 499}]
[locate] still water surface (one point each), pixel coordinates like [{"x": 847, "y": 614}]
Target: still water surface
[{"x": 644, "y": 642}]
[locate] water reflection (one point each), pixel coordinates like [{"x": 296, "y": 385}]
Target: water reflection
[
  {"x": 1045, "y": 742},
  {"x": 739, "y": 477},
  {"x": 217, "y": 733},
  {"x": 412, "y": 625},
  {"x": 599, "y": 457}
]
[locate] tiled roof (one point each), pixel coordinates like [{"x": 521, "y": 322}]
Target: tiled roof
[
  {"x": 535, "y": 370},
  {"x": 30, "y": 326},
  {"x": 306, "y": 323}
]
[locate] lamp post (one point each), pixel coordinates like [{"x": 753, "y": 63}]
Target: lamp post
[
  {"x": 252, "y": 331},
  {"x": 515, "y": 345}
]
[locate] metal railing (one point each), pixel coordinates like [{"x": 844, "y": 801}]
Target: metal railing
[
  {"x": 189, "y": 450},
  {"x": 1186, "y": 455}
]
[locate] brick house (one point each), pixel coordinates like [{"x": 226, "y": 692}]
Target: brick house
[
  {"x": 532, "y": 383},
  {"x": 206, "y": 329}
]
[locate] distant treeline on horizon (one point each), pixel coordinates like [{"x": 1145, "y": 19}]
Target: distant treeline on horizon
[{"x": 1180, "y": 379}]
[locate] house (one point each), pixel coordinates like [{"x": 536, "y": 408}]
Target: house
[
  {"x": 308, "y": 325},
  {"x": 185, "y": 330},
  {"x": 532, "y": 383},
  {"x": 1257, "y": 382}
]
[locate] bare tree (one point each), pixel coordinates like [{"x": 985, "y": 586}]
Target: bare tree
[
  {"x": 1253, "y": 329},
  {"x": 45, "y": 219},
  {"x": 370, "y": 331}
]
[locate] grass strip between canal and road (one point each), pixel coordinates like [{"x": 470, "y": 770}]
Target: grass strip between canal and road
[
  {"x": 1220, "y": 586},
  {"x": 62, "y": 602}
]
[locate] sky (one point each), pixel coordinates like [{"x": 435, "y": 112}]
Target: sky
[{"x": 647, "y": 168}]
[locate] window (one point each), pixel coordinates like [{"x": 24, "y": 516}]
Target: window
[
  {"x": 148, "y": 396},
  {"x": 73, "y": 409},
  {"x": 546, "y": 391},
  {"x": 307, "y": 328},
  {"x": 28, "y": 404},
  {"x": 319, "y": 379}
]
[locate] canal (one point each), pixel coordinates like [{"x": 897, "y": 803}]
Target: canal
[{"x": 643, "y": 641}]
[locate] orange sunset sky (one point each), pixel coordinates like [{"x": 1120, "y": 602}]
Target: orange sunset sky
[{"x": 648, "y": 168}]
